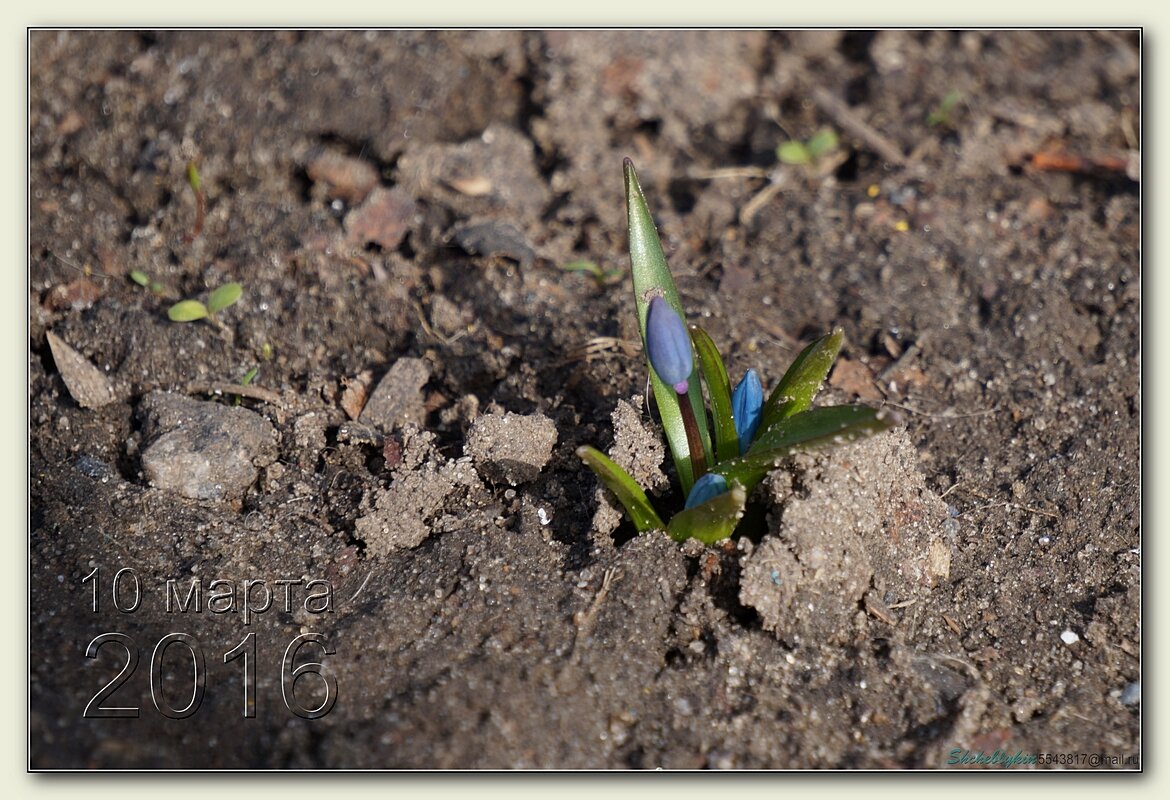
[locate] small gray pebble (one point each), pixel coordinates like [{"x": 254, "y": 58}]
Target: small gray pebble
[{"x": 203, "y": 450}]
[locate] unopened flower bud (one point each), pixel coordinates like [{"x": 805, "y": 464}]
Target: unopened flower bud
[
  {"x": 747, "y": 408},
  {"x": 669, "y": 345}
]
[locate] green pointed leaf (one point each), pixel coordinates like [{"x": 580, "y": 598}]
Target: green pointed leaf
[
  {"x": 224, "y": 296},
  {"x": 140, "y": 277},
  {"x": 711, "y": 521},
  {"x": 187, "y": 311},
  {"x": 803, "y": 380},
  {"x": 652, "y": 278},
  {"x": 585, "y": 266},
  {"x": 625, "y": 488},
  {"x": 941, "y": 115},
  {"x": 718, "y": 392},
  {"x": 809, "y": 430},
  {"x": 193, "y": 176}
]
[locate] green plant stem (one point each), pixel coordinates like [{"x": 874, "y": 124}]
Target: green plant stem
[{"x": 694, "y": 442}]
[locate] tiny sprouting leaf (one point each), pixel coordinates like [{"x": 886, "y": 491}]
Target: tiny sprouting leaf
[
  {"x": 793, "y": 153},
  {"x": 711, "y": 521},
  {"x": 140, "y": 277},
  {"x": 747, "y": 407},
  {"x": 585, "y": 266},
  {"x": 193, "y": 177},
  {"x": 223, "y": 297},
  {"x": 803, "y": 154},
  {"x": 249, "y": 376},
  {"x": 718, "y": 392},
  {"x": 823, "y": 142},
  {"x": 187, "y": 311},
  {"x": 625, "y": 488},
  {"x": 941, "y": 115},
  {"x": 795, "y": 391}
]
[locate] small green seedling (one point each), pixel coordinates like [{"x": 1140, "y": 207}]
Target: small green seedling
[
  {"x": 941, "y": 115},
  {"x": 249, "y": 376},
  {"x": 807, "y": 154},
  {"x": 191, "y": 310},
  {"x": 146, "y": 282},
  {"x": 600, "y": 276},
  {"x": 717, "y": 466},
  {"x": 195, "y": 181}
]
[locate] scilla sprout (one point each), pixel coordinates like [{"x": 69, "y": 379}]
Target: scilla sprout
[{"x": 717, "y": 466}]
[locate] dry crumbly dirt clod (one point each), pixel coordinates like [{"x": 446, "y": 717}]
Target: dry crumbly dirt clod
[
  {"x": 422, "y": 487},
  {"x": 383, "y": 218},
  {"x": 863, "y": 516},
  {"x": 511, "y": 448}
]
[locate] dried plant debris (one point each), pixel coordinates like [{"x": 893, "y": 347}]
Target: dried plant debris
[{"x": 87, "y": 384}]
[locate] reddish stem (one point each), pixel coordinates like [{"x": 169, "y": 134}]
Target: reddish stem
[{"x": 694, "y": 441}]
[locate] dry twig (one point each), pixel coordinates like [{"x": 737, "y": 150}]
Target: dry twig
[
  {"x": 993, "y": 503},
  {"x": 253, "y": 392},
  {"x": 599, "y": 346},
  {"x": 848, "y": 119}
]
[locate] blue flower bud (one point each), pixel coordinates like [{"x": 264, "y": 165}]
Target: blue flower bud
[
  {"x": 668, "y": 345},
  {"x": 747, "y": 408},
  {"x": 710, "y": 485}
]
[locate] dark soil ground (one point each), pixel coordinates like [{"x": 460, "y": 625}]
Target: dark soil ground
[{"x": 400, "y": 477}]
